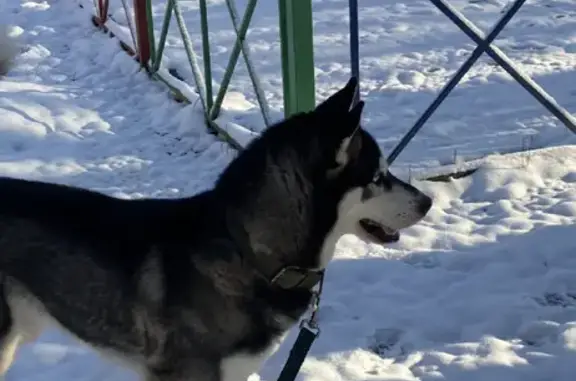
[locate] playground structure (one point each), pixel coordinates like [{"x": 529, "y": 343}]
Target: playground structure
[{"x": 296, "y": 39}]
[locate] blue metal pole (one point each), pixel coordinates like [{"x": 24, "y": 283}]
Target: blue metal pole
[
  {"x": 506, "y": 63},
  {"x": 481, "y": 48},
  {"x": 354, "y": 45}
]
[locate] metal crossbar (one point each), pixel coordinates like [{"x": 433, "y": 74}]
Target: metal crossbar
[
  {"x": 484, "y": 45},
  {"x": 238, "y": 47}
]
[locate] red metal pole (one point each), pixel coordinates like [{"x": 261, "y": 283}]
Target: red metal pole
[
  {"x": 142, "y": 37},
  {"x": 102, "y": 12}
]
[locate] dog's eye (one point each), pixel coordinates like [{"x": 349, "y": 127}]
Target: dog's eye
[{"x": 382, "y": 179}]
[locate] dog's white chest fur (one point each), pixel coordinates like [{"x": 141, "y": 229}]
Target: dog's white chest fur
[{"x": 240, "y": 366}]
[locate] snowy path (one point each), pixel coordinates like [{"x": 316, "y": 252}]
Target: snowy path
[{"x": 483, "y": 289}]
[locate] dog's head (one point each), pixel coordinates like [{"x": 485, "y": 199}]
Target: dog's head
[
  {"x": 374, "y": 204},
  {"x": 314, "y": 177}
]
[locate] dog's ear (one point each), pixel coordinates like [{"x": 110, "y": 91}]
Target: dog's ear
[
  {"x": 348, "y": 124},
  {"x": 353, "y": 119},
  {"x": 349, "y": 150},
  {"x": 340, "y": 101},
  {"x": 351, "y": 143}
]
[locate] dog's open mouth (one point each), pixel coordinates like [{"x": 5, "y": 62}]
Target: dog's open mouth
[{"x": 378, "y": 232}]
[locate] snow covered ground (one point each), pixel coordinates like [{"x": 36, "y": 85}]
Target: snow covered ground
[{"x": 483, "y": 289}]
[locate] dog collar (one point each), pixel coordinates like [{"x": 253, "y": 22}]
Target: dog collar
[
  {"x": 286, "y": 278},
  {"x": 292, "y": 277}
]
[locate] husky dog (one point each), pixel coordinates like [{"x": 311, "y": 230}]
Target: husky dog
[{"x": 201, "y": 288}]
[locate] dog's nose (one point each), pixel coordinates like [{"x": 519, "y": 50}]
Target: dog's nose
[{"x": 424, "y": 204}]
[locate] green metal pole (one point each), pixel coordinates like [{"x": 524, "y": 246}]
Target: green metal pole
[
  {"x": 163, "y": 34},
  {"x": 296, "y": 40},
  {"x": 192, "y": 58},
  {"x": 152, "y": 38},
  {"x": 240, "y": 35},
  {"x": 260, "y": 97}
]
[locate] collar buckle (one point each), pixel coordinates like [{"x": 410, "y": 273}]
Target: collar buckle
[{"x": 291, "y": 277}]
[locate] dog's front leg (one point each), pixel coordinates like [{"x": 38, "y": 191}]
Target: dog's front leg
[{"x": 193, "y": 369}]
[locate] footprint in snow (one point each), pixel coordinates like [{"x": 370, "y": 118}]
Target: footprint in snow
[{"x": 384, "y": 342}]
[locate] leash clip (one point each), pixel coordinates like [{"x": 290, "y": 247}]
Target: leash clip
[{"x": 311, "y": 324}]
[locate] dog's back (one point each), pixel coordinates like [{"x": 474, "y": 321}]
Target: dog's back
[
  {"x": 58, "y": 241},
  {"x": 86, "y": 261}
]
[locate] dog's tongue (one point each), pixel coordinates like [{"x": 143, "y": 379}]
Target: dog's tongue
[
  {"x": 379, "y": 232},
  {"x": 385, "y": 237}
]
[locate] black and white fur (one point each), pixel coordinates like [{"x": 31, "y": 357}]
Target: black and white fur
[{"x": 162, "y": 285}]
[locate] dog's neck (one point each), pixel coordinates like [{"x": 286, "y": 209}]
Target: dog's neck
[
  {"x": 275, "y": 272},
  {"x": 282, "y": 216},
  {"x": 272, "y": 224}
]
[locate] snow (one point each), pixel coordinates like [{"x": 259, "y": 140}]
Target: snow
[{"x": 483, "y": 289}]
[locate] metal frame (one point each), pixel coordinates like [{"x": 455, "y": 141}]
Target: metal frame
[
  {"x": 296, "y": 37},
  {"x": 484, "y": 45}
]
